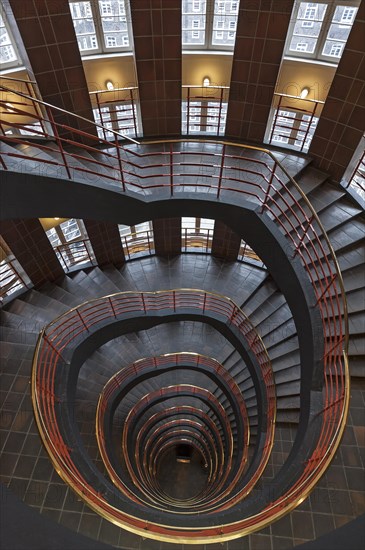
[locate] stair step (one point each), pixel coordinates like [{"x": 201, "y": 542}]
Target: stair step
[
  {"x": 99, "y": 277},
  {"x": 57, "y": 293},
  {"x": 40, "y": 300}
]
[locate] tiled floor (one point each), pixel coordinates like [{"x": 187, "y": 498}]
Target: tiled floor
[{"x": 338, "y": 497}]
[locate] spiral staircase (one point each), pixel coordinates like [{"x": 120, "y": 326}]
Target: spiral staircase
[{"x": 165, "y": 364}]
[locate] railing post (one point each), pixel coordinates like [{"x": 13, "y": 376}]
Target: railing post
[
  {"x": 111, "y": 305},
  {"x": 309, "y": 223},
  {"x": 81, "y": 319},
  {"x": 59, "y": 141},
  {"x": 220, "y": 112},
  {"x": 188, "y": 112},
  {"x": 269, "y": 185},
  {"x": 133, "y": 112},
  {"x": 2, "y": 160},
  {"x": 204, "y": 301},
  {"x": 85, "y": 241},
  {"x": 221, "y": 171},
  {"x": 333, "y": 278},
  {"x": 60, "y": 251},
  {"x": 45, "y": 337},
  {"x": 143, "y": 302},
  {"x": 171, "y": 171},
  {"x": 309, "y": 125},
  {"x": 119, "y": 162}
]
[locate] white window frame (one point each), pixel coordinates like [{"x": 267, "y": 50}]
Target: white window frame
[
  {"x": 101, "y": 37},
  {"x": 209, "y": 29},
  {"x": 14, "y": 62},
  {"x": 318, "y": 54}
]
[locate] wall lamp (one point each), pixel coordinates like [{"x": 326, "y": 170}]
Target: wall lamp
[
  {"x": 206, "y": 81},
  {"x": 304, "y": 92},
  {"x": 109, "y": 85}
]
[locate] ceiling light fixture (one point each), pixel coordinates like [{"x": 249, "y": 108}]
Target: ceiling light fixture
[
  {"x": 206, "y": 81},
  {"x": 109, "y": 85},
  {"x": 305, "y": 91},
  {"x": 56, "y": 218}
]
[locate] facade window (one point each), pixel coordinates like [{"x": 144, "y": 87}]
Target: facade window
[
  {"x": 335, "y": 50},
  {"x": 111, "y": 41},
  {"x": 348, "y": 15},
  {"x": 70, "y": 242},
  {"x": 320, "y": 30},
  {"x": 216, "y": 20},
  {"x": 8, "y": 54},
  {"x": 101, "y": 26},
  {"x": 301, "y": 47}
]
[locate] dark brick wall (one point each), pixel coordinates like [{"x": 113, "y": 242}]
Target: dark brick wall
[
  {"x": 49, "y": 38},
  {"x": 261, "y": 32},
  {"x": 342, "y": 122},
  {"x": 31, "y": 247},
  {"x": 167, "y": 236},
  {"x": 157, "y": 42},
  {"x": 226, "y": 243},
  {"x": 105, "y": 241}
]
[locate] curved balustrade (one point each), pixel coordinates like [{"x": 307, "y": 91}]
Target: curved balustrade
[
  {"x": 67, "y": 330},
  {"x": 217, "y": 171},
  {"x": 155, "y": 364}
]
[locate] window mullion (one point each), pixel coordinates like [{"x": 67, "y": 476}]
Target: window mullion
[
  {"x": 331, "y": 7},
  {"x": 209, "y": 18},
  {"x": 98, "y": 24}
]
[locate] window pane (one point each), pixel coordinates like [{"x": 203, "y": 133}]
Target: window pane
[
  {"x": 84, "y": 25},
  {"x": 53, "y": 237},
  {"x": 193, "y": 22},
  {"x": 114, "y": 24},
  {"x": 70, "y": 229},
  {"x": 339, "y": 31},
  {"x": 307, "y": 27},
  {"x": 7, "y": 52},
  {"x": 224, "y": 23}
]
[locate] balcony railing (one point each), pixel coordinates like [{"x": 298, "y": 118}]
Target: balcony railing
[
  {"x": 74, "y": 253},
  {"x": 116, "y": 109},
  {"x": 22, "y": 115},
  {"x": 357, "y": 179},
  {"x": 231, "y": 171},
  {"x": 197, "y": 240},
  {"x": 204, "y": 110},
  {"x": 294, "y": 121},
  {"x": 10, "y": 278},
  {"x": 140, "y": 243}
]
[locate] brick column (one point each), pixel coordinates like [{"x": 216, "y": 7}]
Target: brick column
[
  {"x": 341, "y": 125},
  {"x": 261, "y": 32},
  {"x": 105, "y": 241},
  {"x": 30, "y": 245},
  {"x": 167, "y": 236},
  {"x": 49, "y": 38},
  {"x": 157, "y": 43},
  {"x": 226, "y": 244}
]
